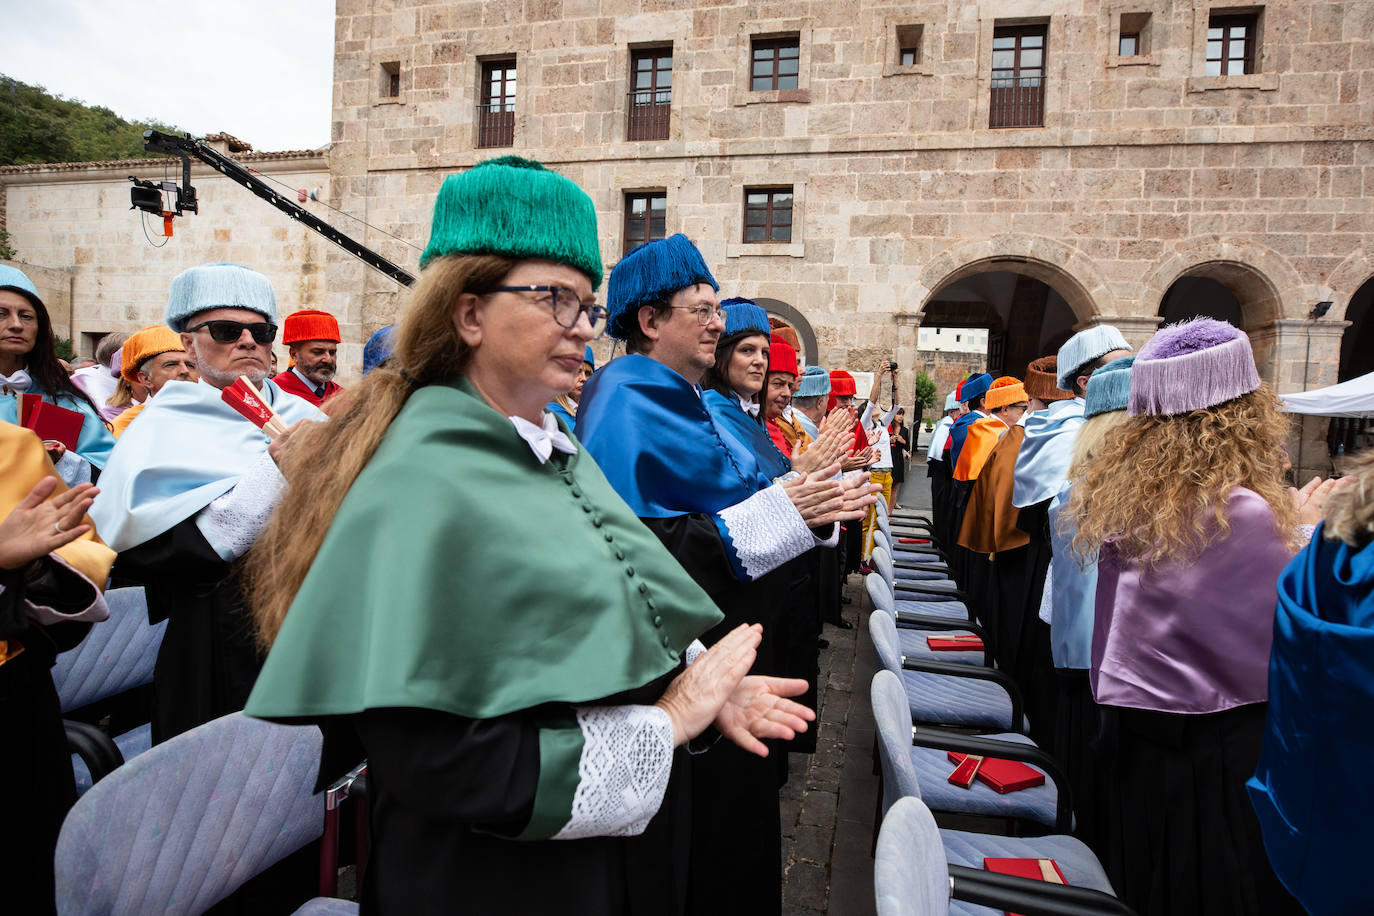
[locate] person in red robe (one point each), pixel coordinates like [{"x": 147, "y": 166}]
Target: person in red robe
[{"x": 312, "y": 339}]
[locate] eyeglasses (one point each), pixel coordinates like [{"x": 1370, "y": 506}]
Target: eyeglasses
[
  {"x": 264, "y": 332},
  {"x": 565, "y": 304},
  {"x": 705, "y": 313}
]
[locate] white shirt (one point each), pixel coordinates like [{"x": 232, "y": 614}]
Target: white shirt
[
  {"x": 939, "y": 439},
  {"x": 883, "y": 441}
]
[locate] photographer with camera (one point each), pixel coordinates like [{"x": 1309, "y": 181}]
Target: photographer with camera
[{"x": 880, "y": 441}]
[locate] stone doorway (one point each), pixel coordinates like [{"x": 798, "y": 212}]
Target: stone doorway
[{"x": 1231, "y": 292}]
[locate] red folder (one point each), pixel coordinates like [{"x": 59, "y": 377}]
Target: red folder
[
  {"x": 1037, "y": 869},
  {"x": 965, "y": 643},
  {"x": 913, "y": 540},
  {"x": 1003, "y": 776},
  {"x": 51, "y": 422}
]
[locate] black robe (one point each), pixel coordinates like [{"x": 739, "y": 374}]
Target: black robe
[
  {"x": 36, "y": 763},
  {"x": 736, "y": 828},
  {"x": 208, "y": 660}
]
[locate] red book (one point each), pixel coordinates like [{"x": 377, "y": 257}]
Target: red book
[
  {"x": 51, "y": 422},
  {"x": 965, "y": 643},
  {"x": 913, "y": 540},
  {"x": 1036, "y": 869},
  {"x": 1003, "y": 776}
]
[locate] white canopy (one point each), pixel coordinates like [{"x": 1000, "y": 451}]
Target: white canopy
[{"x": 1354, "y": 398}]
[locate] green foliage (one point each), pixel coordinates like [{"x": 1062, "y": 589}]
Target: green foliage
[
  {"x": 924, "y": 391},
  {"x": 7, "y": 252},
  {"x": 38, "y": 127},
  {"x": 63, "y": 345}
]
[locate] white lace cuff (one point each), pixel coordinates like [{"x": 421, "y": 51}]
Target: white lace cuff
[
  {"x": 233, "y": 521},
  {"x": 1306, "y": 532},
  {"x": 695, "y": 649},
  {"x": 763, "y": 532},
  {"x": 627, "y": 754},
  {"x": 1047, "y": 597}
]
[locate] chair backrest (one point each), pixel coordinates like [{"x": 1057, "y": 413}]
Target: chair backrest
[
  {"x": 882, "y": 505},
  {"x": 882, "y": 562},
  {"x": 884, "y": 525},
  {"x": 882, "y": 629},
  {"x": 910, "y": 868},
  {"x": 892, "y": 713},
  {"x": 184, "y": 824},
  {"x": 880, "y": 594},
  {"x": 880, "y": 540},
  {"x": 117, "y": 655}
]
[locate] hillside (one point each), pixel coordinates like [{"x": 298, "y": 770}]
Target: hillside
[{"x": 38, "y": 127}]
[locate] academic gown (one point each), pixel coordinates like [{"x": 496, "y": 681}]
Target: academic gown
[
  {"x": 151, "y": 495},
  {"x": 1180, "y": 660},
  {"x": 291, "y": 383},
  {"x": 41, "y": 615},
  {"x": 687, "y": 477},
  {"x": 458, "y": 664}
]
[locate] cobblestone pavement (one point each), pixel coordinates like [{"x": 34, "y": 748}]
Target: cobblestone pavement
[{"x": 828, "y": 804}]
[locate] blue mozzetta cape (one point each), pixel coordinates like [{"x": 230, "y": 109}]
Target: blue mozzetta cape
[
  {"x": 1311, "y": 788},
  {"x": 187, "y": 449},
  {"x": 1043, "y": 462},
  {"x": 959, "y": 432},
  {"x": 749, "y": 443},
  {"x": 95, "y": 441},
  {"x": 559, "y": 411}
]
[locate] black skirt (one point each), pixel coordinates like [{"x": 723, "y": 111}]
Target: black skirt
[{"x": 1186, "y": 836}]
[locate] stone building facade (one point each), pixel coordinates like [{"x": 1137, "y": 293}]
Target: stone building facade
[
  {"x": 102, "y": 267},
  {"x": 1138, "y": 170}
]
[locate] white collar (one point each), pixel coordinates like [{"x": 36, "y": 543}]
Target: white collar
[
  {"x": 18, "y": 383},
  {"x": 309, "y": 384},
  {"x": 545, "y": 438},
  {"x": 749, "y": 407}
]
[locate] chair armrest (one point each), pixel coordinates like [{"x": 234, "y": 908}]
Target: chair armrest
[
  {"x": 915, "y": 587},
  {"x": 1026, "y": 895},
  {"x": 1006, "y": 750},
  {"x": 96, "y": 749},
  {"x": 984, "y": 674}
]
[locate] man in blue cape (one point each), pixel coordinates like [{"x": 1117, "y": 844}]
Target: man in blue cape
[
  {"x": 189, "y": 487},
  {"x": 643, "y": 419}
]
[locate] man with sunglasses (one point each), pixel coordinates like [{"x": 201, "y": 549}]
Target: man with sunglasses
[
  {"x": 189, "y": 487},
  {"x": 312, "y": 338}
]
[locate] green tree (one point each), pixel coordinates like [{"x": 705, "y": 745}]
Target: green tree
[
  {"x": 923, "y": 390},
  {"x": 38, "y": 127}
]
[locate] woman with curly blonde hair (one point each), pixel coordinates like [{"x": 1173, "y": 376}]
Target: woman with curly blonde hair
[{"x": 1188, "y": 517}]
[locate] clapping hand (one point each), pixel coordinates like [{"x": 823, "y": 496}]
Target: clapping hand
[
  {"x": 39, "y": 525},
  {"x": 1310, "y": 501},
  {"x": 758, "y": 708}
]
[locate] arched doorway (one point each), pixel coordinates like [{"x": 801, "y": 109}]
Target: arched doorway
[
  {"x": 782, "y": 315},
  {"x": 1232, "y": 292},
  {"x": 1024, "y": 316},
  {"x": 1346, "y": 435}
]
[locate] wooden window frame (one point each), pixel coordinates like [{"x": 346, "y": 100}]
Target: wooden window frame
[
  {"x": 1018, "y": 105},
  {"x": 777, "y": 46},
  {"x": 496, "y": 114},
  {"x": 1249, "y": 43},
  {"x": 649, "y": 110},
  {"x": 629, "y": 243},
  {"x": 769, "y": 208},
  {"x": 1133, "y": 38}
]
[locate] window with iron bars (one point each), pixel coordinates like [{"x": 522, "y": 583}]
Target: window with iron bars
[
  {"x": 651, "y": 94},
  {"x": 496, "y": 113},
  {"x": 1018, "y": 76}
]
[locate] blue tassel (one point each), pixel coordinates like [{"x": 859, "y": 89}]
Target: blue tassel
[{"x": 651, "y": 274}]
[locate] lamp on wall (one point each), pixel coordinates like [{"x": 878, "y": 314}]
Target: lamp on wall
[{"x": 1320, "y": 309}]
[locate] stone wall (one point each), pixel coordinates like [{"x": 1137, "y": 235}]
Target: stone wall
[
  {"x": 1145, "y": 170},
  {"x": 72, "y": 223}
]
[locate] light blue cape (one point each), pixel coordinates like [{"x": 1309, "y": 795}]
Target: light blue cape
[
  {"x": 187, "y": 449},
  {"x": 1043, "y": 462}
]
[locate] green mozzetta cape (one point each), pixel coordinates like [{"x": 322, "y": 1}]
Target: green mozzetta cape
[{"x": 461, "y": 575}]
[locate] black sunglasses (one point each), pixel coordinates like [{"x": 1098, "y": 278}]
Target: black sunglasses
[{"x": 264, "y": 332}]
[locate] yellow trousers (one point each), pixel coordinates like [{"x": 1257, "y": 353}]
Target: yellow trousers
[{"x": 871, "y": 519}]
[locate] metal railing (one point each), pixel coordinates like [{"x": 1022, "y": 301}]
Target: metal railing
[
  {"x": 496, "y": 123},
  {"x": 1017, "y": 102},
  {"x": 649, "y": 112}
]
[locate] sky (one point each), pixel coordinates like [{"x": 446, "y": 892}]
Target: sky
[{"x": 261, "y": 70}]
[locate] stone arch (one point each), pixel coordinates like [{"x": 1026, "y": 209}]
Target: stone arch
[
  {"x": 1347, "y": 279},
  {"x": 797, "y": 321},
  {"x": 1066, "y": 269},
  {"x": 1265, "y": 285}
]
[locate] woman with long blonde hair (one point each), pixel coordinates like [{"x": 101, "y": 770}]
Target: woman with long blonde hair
[
  {"x": 1189, "y": 518},
  {"x": 452, "y": 590}
]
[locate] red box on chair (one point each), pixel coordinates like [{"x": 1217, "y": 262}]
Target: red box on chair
[
  {"x": 965, "y": 643},
  {"x": 1037, "y": 869},
  {"x": 1004, "y": 776}
]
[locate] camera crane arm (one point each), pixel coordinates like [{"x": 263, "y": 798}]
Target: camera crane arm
[{"x": 185, "y": 147}]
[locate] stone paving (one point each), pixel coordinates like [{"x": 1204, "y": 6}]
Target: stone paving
[{"x": 829, "y": 802}]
